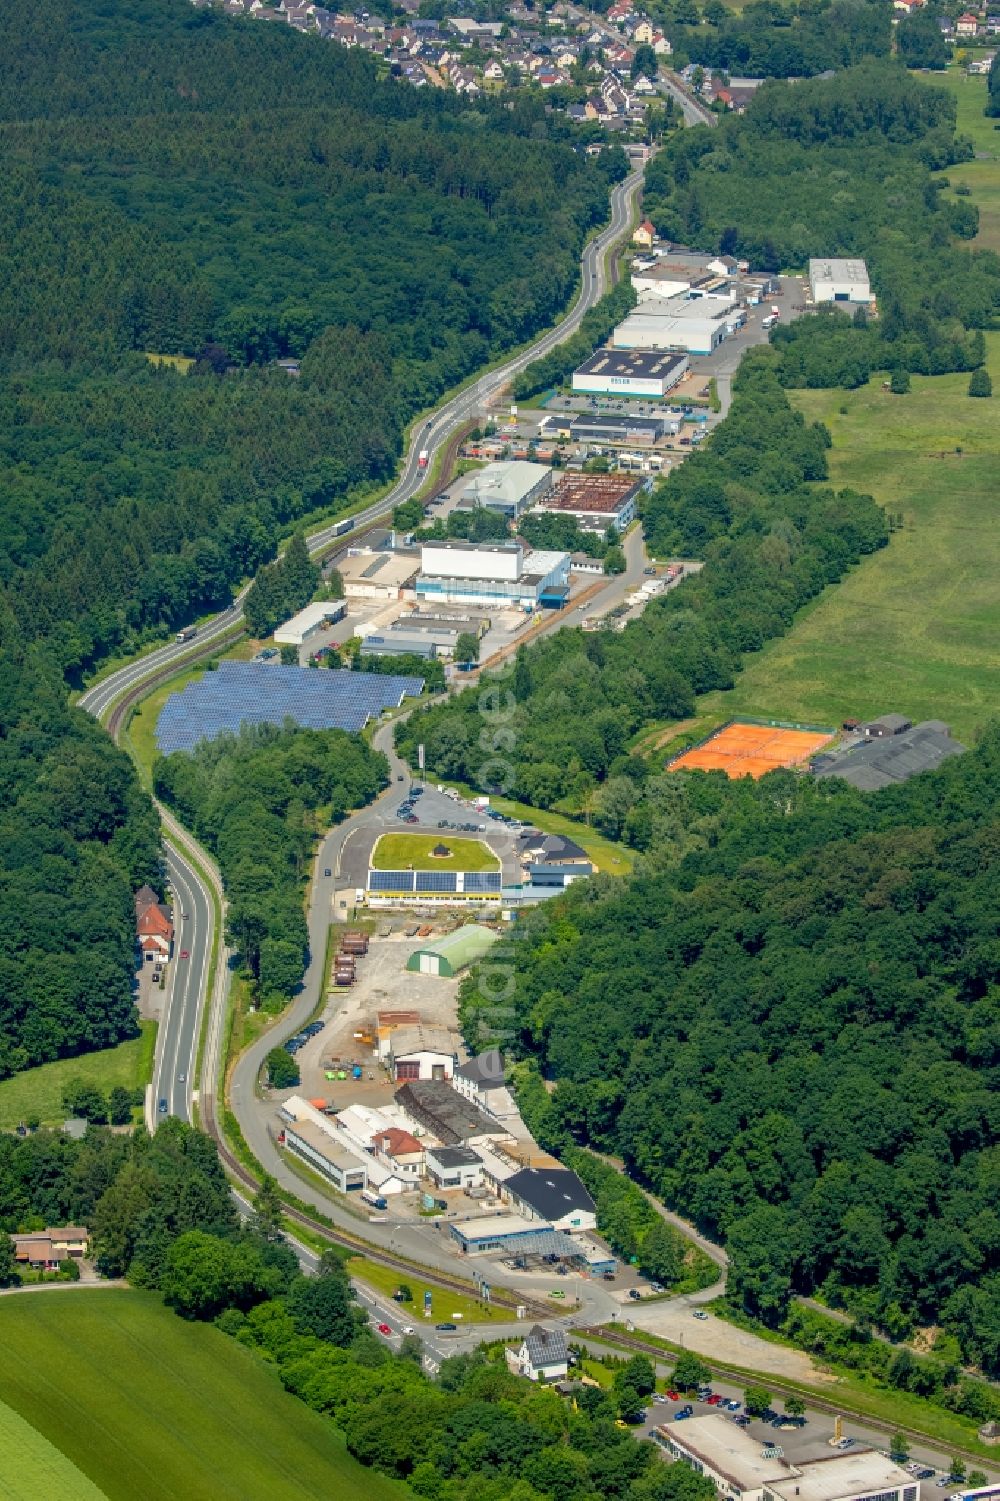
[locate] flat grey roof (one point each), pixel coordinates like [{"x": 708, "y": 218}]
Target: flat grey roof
[
  {"x": 863, "y": 1472},
  {"x": 642, "y": 364},
  {"x": 823, "y": 268}
]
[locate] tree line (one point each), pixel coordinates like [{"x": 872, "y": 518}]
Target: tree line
[
  {"x": 845, "y": 166},
  {"x": 79, "y": 836},
  {"x": 257, "y": 800},
  {"x": 281, "y": 588},
  {"x": 770, "y": 538},
  {"x": 768, "y": 40},
  {"x": 801, "y": 1056}
]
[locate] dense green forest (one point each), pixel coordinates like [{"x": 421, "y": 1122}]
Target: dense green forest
[
  {"x": 78, "y": 837},
  {"x": 770, "y": 539},
  {"x": 281, "y": 588},
  {"x": 182, "y": 184},
  {"x": 802, "y": 1054},
  {"x": 768, "y": 40},
  {"x": 843, "y": 166},
  {"x": 159, "y": 1209},
  {"x": 257, "y": 801}
]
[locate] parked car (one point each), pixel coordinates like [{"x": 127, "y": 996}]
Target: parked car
[
  {"x": 732, "y": 1405},
  {"x": 416, "y": 792},
  {"x": 713, "y": 1399},
  {"x": 683, "y": 1412},
  {"x": 673, "y": 1396},
  {"x": 634, "y": 1294},
  {"x": 699, "y": 1314},
  {"x": 659, "y": 1397}
]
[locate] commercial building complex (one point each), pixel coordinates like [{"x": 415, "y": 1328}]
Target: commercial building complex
[
  {"x": 696, "y": 325},
  {"x": 839, "y": 281},
  {"x": 452, "y": 952},
  {"x": 595, "y": 501},
  {"x": 510, "y": 488},
  {"x": 889, "y": 756},
  {"x": 637, "y": 372},
  {"x": 311, "y": 1136},
  {"x": 743, "y": 1468},
  {"x": 554, "y": 1195},
  {"x": 495, "y": 573}
]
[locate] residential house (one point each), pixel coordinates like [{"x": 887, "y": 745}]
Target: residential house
[
  {"x": 542, "y": 1355},
  {"x": 153, "y": 925},
  {"x": 644, "y": 235},
  {"x": 661, "y": 45},
  {"x": 482, "y": 1080},
  {"x": 640, "y": 30},
  {"x": 967, "y": 25},
  {"x": 620, "y": 11},
  {"x": 43, "y": 1250}
]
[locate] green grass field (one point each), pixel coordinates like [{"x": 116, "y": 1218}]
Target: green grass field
[
  {"x": 444, "y": 1304},
  {"x": 38, "y": 1091},
  {"x": 915, "y": 626},
  {"x": 406, "y": 851},
  {"x": 32, "y": 1468},
  {"x": 140, "y": 736},
  {"x": 149, "y": 1406},
  {"x": 982, "y": 176}
]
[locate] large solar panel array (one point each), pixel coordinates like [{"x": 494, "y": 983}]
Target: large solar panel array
[
  {"x": 257, "y": 693},
  {"x": 444, "y": 882}
]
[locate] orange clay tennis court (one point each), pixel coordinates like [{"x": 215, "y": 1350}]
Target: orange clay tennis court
[{"x": 750, "y": 750}]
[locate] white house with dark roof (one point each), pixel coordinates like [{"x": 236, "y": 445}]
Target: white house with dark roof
[{"x": 541, "y": 1356}]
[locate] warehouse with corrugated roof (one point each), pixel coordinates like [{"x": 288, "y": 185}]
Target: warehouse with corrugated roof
[{"x": 453, "y": 952}]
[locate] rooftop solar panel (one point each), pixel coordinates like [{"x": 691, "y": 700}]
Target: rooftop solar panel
[
  {"x": 437, "y": 880},
  {"x": 257, "y": 693},
  {"x": 390, "y": 880},
  {"x": 482, "y": 880}
]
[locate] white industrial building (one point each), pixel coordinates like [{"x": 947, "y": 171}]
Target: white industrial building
[
  {"x": 743, "y": 1468},
  {"x": 499, "y": 573},
  {"x": 630, "y": 372},
  {"x": 312, "y": 618},
  {"x": 313, "y": 1137},
  {"x": 697, "y": 325},
  {"x": 422, "y": 1052},
  {"x": 839, "y": 281},
  {"x": 510, "y": 488}
]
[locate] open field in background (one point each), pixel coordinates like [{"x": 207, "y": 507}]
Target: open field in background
[
  {"x": 38, "y": 1091},
  {"x": 444, "y": 1304},
  {"x": 403, "y": 851},
  {"x": 612, "y": 858},
  {"x": 150, "y": 1406},
  {"x": 982, "y": 176},
  {"x": 914, "y": 627},
  {"x": 31, "y": 1467}
]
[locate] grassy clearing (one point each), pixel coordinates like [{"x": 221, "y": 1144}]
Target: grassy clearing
[
  {"x": 445, "y": 1305},
  {"x": 982, "y": 176},
  {"x": 31, "y": 1467},
  {"x": 39, "y": 1091},
  {"x": 915, "y": 626},
  {"x": 413, "y": 851},
  {"x": 148, "y": 1405},
  {"x": 181, "y": 362}
]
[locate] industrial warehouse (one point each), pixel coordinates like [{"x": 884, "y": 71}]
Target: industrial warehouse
[
  {"x": 500, "y": 573},
  {"x": 636, "y": 372},
  {"x": 595, "y": 501}
]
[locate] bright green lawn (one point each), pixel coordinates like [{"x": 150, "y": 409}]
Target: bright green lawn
[
  {"x": 914, "y": 627},
  {"x": 444, "y": 1304},
  {"x": 151, "y": 1407},
  {"x": 31, "y": 1467},
  {"x": 613, "y": 859},
  {"x": 403, "y": 851},
  {"x": 38, "y": 1091},
  {"x": 982, "y": 176}
]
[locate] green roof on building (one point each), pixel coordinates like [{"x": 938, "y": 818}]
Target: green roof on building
[{"x": 456, "y": 950}]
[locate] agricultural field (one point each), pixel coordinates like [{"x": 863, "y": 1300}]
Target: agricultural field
[
  {"x": 413, "y": 852},
  {"x": 31, "y": 1467},
  {"x": 982, "y": 176},
  {"x": 145, "y": 1404},
  {"x": 38, "y": 1091},
  {"x": 914, "y": 627}
]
